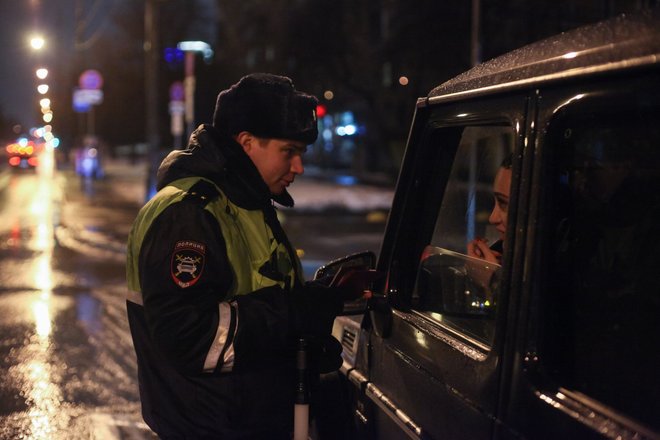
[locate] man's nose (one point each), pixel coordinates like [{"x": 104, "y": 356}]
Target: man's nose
[{"x": 297, "y": 165}]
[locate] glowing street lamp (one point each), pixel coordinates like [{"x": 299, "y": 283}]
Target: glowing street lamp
[
  {"x": 42, "y": 73},
  {"x": 37, "y": 42}
]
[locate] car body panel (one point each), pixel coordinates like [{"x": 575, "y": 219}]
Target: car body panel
[{"x": 420, "y": 374}]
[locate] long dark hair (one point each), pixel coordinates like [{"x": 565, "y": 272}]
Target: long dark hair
[{"x": 507, "y": 162}]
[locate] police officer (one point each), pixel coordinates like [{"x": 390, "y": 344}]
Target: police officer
[{"x": 217, "y": 298}]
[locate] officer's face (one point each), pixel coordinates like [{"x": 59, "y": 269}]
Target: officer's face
[{"x": 279, "y": 161}]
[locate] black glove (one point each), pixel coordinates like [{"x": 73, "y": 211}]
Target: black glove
[
  {"x": 355, "y": 283},
  {"x": 324, "y": 354},
  {"x": 313, "y": 310}
]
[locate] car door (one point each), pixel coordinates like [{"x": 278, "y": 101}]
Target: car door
[
  {"x": 586, "y": 359},
  {"x": 434, "y": 361}
]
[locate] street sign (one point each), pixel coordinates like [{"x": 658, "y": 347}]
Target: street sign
[
  {"x": 83, "y": 99},
  {"x": 90, "y": 80},
  {"x": 177, "y": 107}
]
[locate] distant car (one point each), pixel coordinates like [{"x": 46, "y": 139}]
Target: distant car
[{"x": 22, "y": 155}]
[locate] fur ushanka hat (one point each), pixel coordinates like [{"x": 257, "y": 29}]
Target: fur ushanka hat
[{"x": 267, "y": 106}]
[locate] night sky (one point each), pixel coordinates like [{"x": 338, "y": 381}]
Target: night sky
[
  {"x": 19, "y": 19},
  {"x": 17, "y": 89}
]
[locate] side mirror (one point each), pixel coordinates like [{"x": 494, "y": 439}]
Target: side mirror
[
  {"x": 360, "y": 260},
  {"x": 454, "y": 284}
]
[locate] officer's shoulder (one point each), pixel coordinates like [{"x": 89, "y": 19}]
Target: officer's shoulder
[{"x": 202, "y": 193}]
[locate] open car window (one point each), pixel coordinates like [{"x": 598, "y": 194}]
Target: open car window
[{"x": 456, "y": 287}]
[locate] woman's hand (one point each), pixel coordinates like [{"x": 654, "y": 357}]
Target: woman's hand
[{"x": 479, "y": 248}]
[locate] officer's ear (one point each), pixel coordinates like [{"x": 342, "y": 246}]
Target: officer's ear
[{"x": 246, "y": 140}]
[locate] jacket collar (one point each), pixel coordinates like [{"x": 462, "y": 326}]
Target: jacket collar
[{"x": 221, "y": 159}]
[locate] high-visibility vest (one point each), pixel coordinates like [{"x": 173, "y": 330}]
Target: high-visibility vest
[{"x": 257, "y": 259}]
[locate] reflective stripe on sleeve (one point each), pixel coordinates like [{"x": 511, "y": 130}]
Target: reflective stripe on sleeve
[
  {"x": 222, "y": 348},
  {"x": 228, "y": 355}
]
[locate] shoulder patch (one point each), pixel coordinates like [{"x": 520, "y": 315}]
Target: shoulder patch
[{"x": 187, "y": 263}]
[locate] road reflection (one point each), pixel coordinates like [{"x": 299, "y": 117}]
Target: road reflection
[
  {"x": 43, "y": 394},
  {"x": 43, "y": 273},
  {"x": 69, "y": 368},
  {"x": 88, "y": 312},
  {"x": 42, "y": 319}
]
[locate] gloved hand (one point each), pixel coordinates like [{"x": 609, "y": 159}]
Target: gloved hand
[
  {"x": 324, "y": 354},
  {"x": 355, "y": 283},
  {"x": 313, "y": 310}
]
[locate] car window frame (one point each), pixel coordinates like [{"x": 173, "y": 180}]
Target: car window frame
[{"x": 410, "y": 239}]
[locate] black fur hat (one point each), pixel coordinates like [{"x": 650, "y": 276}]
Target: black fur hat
[{"x": 267, "y": 106}]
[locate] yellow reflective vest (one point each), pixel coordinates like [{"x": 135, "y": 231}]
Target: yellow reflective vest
[{"x": 257, "y": 258}]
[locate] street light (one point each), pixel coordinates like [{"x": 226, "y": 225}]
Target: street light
[
  {"x": 190, "y": 48},
  {"x": 37, "y": 42}
]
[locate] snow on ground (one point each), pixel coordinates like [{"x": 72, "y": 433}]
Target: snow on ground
[
  {"x": 309, "y": 193},
  {"x": 318, "y": 195}
]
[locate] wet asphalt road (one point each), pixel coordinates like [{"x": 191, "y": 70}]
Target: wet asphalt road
[
  {"x": 65, "y": 350},
  {"x": 67, "y": 360}
]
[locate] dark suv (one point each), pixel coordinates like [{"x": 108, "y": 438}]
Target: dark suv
[{"x": 522, "y": 253}]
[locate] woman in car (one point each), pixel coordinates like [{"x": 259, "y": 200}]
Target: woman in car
[{"x": 479, "y": 247}]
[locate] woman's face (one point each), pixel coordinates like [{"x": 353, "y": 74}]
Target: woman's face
[{"x": 501, "y": 191}]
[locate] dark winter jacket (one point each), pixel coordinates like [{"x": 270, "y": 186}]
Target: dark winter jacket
[{"x": 213, "y": 362}]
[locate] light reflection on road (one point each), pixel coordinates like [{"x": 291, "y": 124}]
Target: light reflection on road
[
  {"x": 43, "y": 394},
  {"x": 68, "y": 362},
  {"x": 42, "y": 319},
  {"x": 43, "y": 275}
]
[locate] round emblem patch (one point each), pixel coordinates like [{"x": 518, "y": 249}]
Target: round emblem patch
[{"x": 187, "y": 263}]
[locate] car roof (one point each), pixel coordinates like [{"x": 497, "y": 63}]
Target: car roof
[{"x": 622, "y": 42}]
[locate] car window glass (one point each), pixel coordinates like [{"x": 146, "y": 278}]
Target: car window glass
[
  {"x": 454, "y": 286},
  {"x": 602, "y": 303}
]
